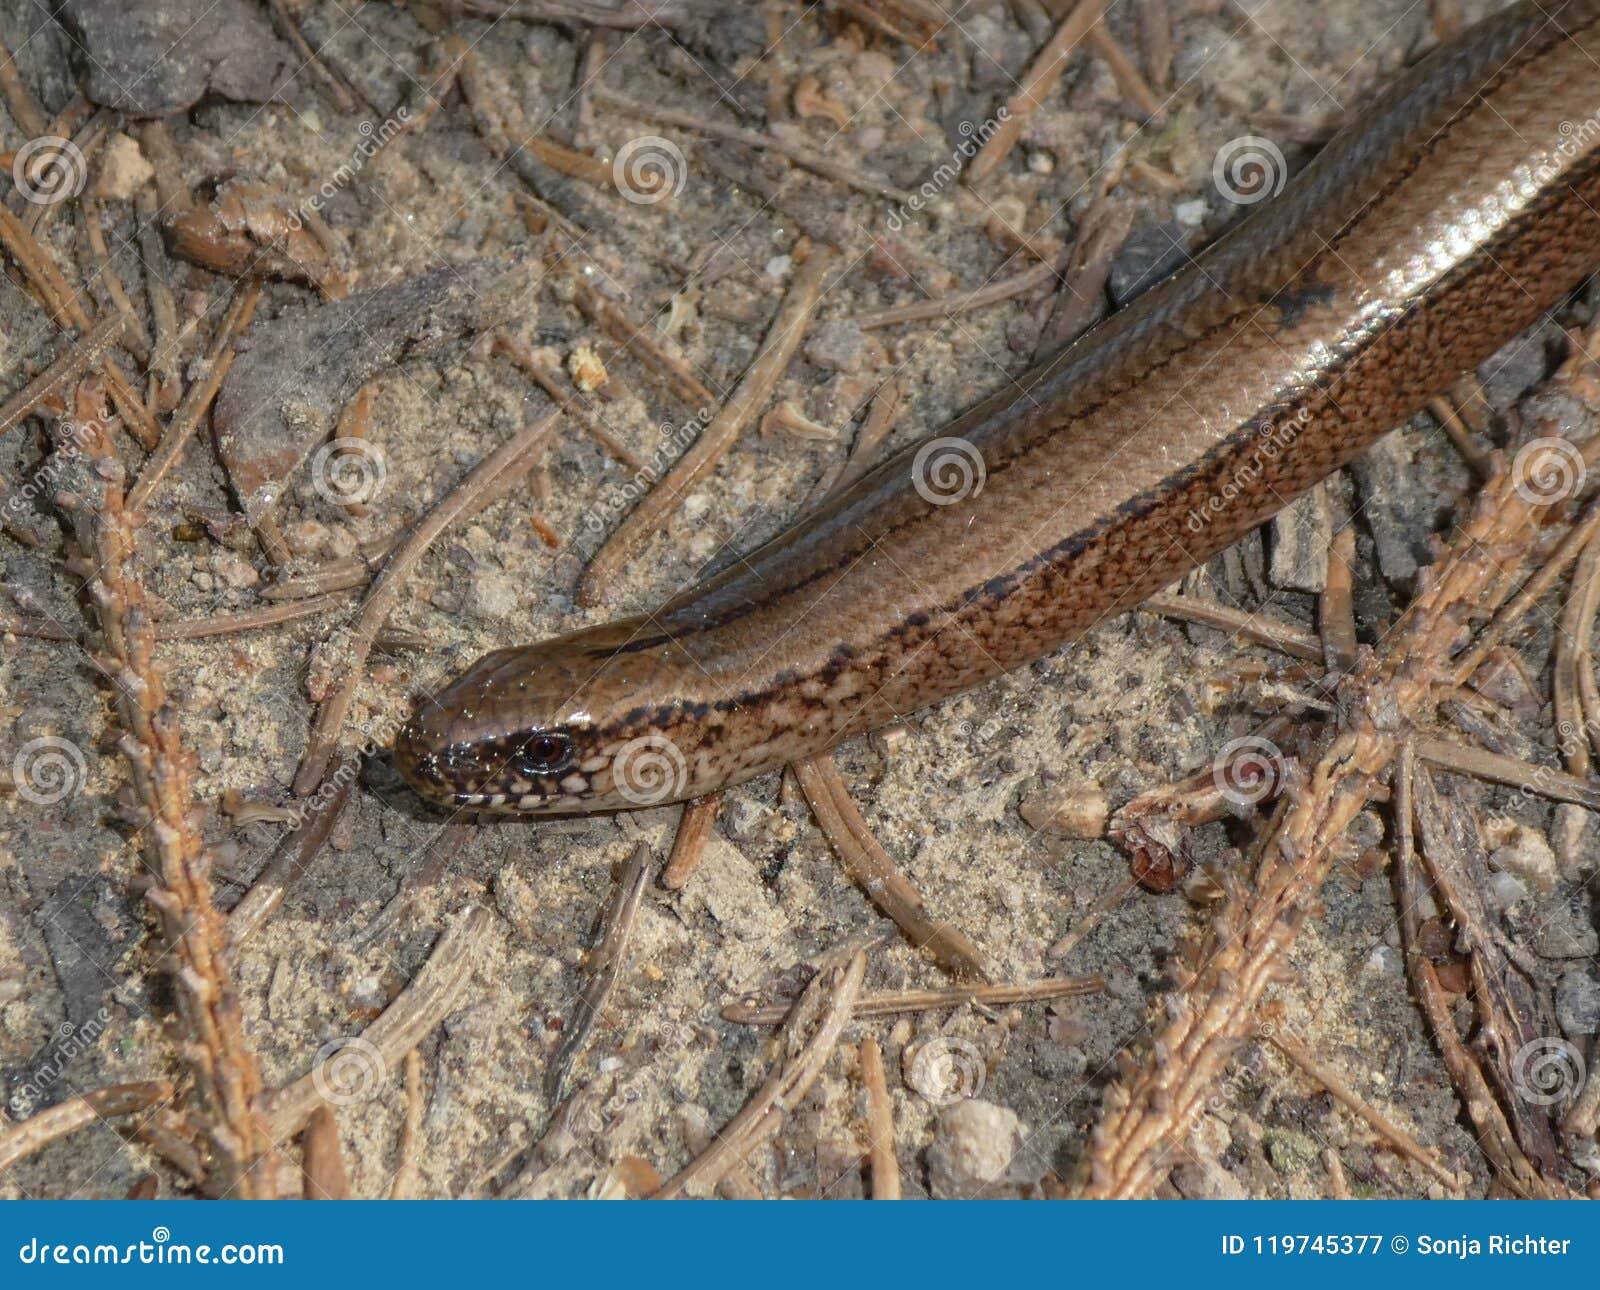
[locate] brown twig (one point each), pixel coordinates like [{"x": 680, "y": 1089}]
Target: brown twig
[
  {"x": 337, "y": 575},
  {"x": 1498, "y": 769},
  {"x": 520, "y": 355},
  {"x": 880, "y": 1122},
  {"x": 322, "y": 1173},
  {"x": 1107, "y": 901},
  {"x": 1257, "y": 628},
  {"x": 38, "y": 629},
  {"x": 91, "y": 128},
  {"x": 173, "y": 1138},
  {"x": 186, "y": 420},
  {"x": 1335, "y": 608},
  {"x": 914, "y": 29},
  {"x": 21, "y": 1140},
  {"x": 1155, "y": 41},
  {"x": 173, "y": 194},
  {"x": 1042, "y": 74},
  {"x": 960, "y": 302},
  {"x": 220, "y": 1059},
  {"x": 629, "y": 15},
  {"x": 755, "y": 387},
  {"x": 77, "y": 357},
  {"x": 193, "y": 629},
  {"x": 799, "y": 153},
  {"x": 1082, "y": 293},
  {"x": 809, "y": 1037},
  {"x": 870, "y": 868},
  {"x": 405, "y": 1177},
  {"x": 1130, "y": 80},
  {"x": 888, "y": 1003},
  {"x": 385, "y": 590},
  {"x": 136, "y": 338},
  {"x": 164, "y": 356},
  {"x": 1494, "y": 1135},
  {"x": 689, "y": 843},
  {"x": 604, "y": 967},
  {"x": 24, "y": 108},
  {"x": 248, "y": 620},
  {"x": 1570, "y": 547},
  {"x": 1449, "y": 419},
  {"x": 612, "y": 319},
  {"x": 1573, "y": 688},
  {"x": 288, "y": 28},
  {"x": 877, "y": 426}
]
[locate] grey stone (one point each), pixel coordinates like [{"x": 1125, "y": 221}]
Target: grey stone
[
  {"x": 1149, "y": 255},
  {"x": 1565, "y": 933},
  {"x": 974, "y": 1144},
  {"x": 152, "y": 58}
]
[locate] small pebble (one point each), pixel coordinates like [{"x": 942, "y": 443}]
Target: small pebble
[
  {"x": 1529, "y": 856},
  {"x": 1070, "y": 810},
  {"x": 1578, "y": 1001},
  {"x": 1505, "y": 890},
  {"x": 307, "y": 537},
  {"x": 494, "y": 596},
  {"x": 838, "y": 346},
  {"x": 234, "y": 569},
  {"x": 973, "y": 1146},
  {"x": 123, "y": 169},
  {"x": 588, "y": 372}
]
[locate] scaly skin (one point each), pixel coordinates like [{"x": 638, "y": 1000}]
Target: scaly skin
[{"x": 1421, "y": 240}]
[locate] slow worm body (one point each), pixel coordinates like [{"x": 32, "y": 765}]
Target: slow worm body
[{"x": 1459, "y": 209}]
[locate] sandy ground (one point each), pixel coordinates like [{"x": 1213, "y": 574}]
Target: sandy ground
[{"x": 1138, "y": 703}]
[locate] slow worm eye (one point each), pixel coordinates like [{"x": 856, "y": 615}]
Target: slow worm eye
[{"x": 544, "y": 753}]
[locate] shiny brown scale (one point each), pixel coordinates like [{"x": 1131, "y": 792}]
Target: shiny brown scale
[{"x": 1419, "y": 242}]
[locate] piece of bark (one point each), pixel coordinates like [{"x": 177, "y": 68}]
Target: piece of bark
[
  {"x": 296, "y": 373},
  {"x": 254, "y": 231},
  {"x": 150, "y": 58},
  {"x": 1301, "y": 532}
]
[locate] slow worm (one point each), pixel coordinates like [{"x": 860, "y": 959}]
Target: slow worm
[{"x": 1457, "y": 211}]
